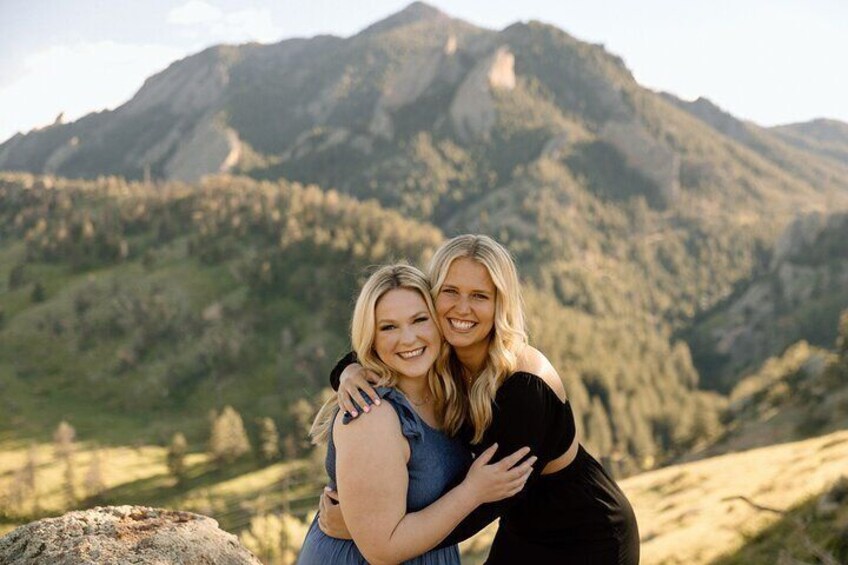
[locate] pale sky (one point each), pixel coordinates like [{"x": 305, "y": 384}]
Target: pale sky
[{"x": 768, "y": 61}]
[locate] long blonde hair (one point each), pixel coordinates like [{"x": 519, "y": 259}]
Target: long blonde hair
[
  {"x": 509, "y": 334},
  {"x": 448, "y": 400}
]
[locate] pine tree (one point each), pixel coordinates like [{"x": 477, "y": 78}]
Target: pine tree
[
  {"x": 38, "y": 293},
  {"x": 269, "y": 439},
  {"x": 302, "y": 413},
  {"x": 290, "y": 447},
  {"x": 29, "y": 478},
  {"x": 229, "y": 439},
  {"x": 93, "y": 482},
  {"x": 69, "y": 478},
  {"x": 63, "y": 440},
  {"x": 176, "y": 456},
  {"x": 16, "y": 276},
  {"x": 598, "y": 428}
]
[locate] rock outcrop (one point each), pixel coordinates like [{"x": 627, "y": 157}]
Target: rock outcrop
[
  {"x": 472, "y": 111},
  {"x": 405, "y": 86},
  {"x": 123, "y": 534},
  {"x": 808, "y": 269},
  {"x": 211, "y": 148},
  {"x": 644, "y": 153}
]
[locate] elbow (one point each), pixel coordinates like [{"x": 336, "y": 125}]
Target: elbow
[
  {"x": 378, "y": 556},
  {"x": 381, "y": 554}
]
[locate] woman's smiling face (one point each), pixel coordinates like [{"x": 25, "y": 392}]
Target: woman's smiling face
[
  {"x": 465, "y": 304},
  {"x": 407, "y": 338}
]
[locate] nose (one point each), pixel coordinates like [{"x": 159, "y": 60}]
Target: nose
[
  {"x": 407, "y": 335},
  {"x": 463, "y": 305}
]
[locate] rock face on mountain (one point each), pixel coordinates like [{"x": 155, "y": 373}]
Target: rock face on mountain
[
  {"x": 172, "y": 127},
  {"x": 650, "y": 157},
  {"x": 472, "y": 111},
  {"x": 123, "y": 534},
  {"x": 800, "y": 297}
]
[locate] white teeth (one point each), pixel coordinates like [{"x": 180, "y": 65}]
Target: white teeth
[
  {"x": 462, "y": 324},
  {"x": 411, "y": 354}
]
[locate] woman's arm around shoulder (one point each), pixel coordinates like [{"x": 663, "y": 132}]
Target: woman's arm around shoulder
[{"x": 531, "y": 360}]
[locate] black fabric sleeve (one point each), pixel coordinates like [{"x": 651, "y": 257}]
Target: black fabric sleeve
[
  {"x": 521, "y": 417},
  {"x": 336, "y": 373}
]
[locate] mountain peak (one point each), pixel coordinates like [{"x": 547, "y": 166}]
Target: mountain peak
[{"x": 414, "y": 13}]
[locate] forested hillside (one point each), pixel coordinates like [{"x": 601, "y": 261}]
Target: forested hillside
[{"x": 175, "y": 299}]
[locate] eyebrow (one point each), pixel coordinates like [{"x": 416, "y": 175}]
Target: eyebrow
[
  {"x": 480, "y": 290},
  {"x": 417, "y": 314}
]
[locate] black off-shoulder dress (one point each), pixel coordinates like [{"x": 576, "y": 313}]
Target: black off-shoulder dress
[{"x": 576, "y": 515}]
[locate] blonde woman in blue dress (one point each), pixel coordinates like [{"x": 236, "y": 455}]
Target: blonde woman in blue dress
[{"x": 399, "y": 473}]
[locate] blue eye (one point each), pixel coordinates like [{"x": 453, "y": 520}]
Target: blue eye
[
  {"x": 421, "y": 319},
  {"x": 386, "y": 328}
]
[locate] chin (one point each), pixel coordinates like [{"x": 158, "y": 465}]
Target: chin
[{"x": 461, "y": 340}]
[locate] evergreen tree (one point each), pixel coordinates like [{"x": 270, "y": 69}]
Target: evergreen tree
[
  {"x": 93, "y": 482},
  {"x": 16, "y": 276},
  {"x": 38, "y": 293},
  {"x": 29, "y": 478},
  {"x": 275, "y": 538},
  {"x": 269, "y": 439},
  {"x": 68, "y": 480},
  {"x": 176, "y": 456},
  {"x": 290, "y": 447},
  {"x": 23, "y": 486},
  {"x": 598, "y": 428},
  {"x": 302, "y": 414},
  {"x": 63, "y": 440},
  {"x": 229, "y": 440}
]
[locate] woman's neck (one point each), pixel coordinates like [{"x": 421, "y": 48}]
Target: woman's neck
[
  {"x": 473, "y": 357},
  {"x": 415, "y": 388}
]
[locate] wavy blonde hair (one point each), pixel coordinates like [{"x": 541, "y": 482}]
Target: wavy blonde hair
[
  {"x": 448, "y": 399},
  {"x": 509, "y": 334}
]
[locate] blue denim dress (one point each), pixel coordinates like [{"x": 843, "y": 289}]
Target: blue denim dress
[{"x": 437, "y": 462}]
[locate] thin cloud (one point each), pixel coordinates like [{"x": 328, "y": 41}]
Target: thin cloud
[
  {"x": 204, "y": 21},
  {"x": 195, "y": 12},
  {"x": 70, "y": 79}
]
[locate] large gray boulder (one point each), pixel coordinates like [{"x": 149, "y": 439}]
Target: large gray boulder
[{"x": 123, "y": 534}]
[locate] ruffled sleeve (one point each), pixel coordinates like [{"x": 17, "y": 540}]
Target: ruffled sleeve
[{"x": 410, "y": 422}]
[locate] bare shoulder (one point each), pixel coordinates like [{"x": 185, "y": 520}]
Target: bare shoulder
[
  {"x": 379, "y": 425},
  {"x": 531, "y": 360}
]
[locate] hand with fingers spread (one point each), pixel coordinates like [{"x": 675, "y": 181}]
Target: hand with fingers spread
[
  {"x": 330, "y": 518},
  {"x": 355, "y": 384},
  {"x": 490, "y": 482}
]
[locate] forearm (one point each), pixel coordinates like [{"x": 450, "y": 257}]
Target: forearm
[
  {"x": 341, "y": 365},
  {"x": 418, "y": 532},
  {"x": 472, "y": 524}
]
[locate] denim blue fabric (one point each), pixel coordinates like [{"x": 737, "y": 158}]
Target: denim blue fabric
[{"x": 437, "y": 462}]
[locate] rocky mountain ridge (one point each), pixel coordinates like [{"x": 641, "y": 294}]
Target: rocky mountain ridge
[{"x": 799, "y": 297}]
